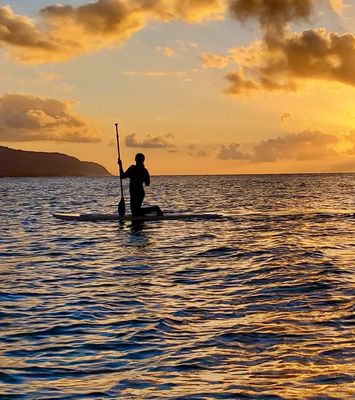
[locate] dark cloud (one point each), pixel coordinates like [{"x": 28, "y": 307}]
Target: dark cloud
[
  {"x": 16, "y": 30},
  {"x": 150, "y": 142},
  {"x": 239, "y": 84},
  {"x": 272, "y": 14},
  {"x": 197, "y": 153},
  {"x": 202, "y": 153},
  {"x": 231, "y": 152},
  {"x": 286, "y": 116},
  {"x": 32, "y": 118}
]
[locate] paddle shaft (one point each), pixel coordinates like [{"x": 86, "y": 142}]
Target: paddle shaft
[
  {"x": 121, "y": 206},
  {"x": 119, "y": 155}
]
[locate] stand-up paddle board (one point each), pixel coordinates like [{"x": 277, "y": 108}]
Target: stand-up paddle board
[{"x": 117, "y": 217}]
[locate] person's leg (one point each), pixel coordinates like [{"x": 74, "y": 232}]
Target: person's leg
[
  {"x": 136, "y": 204},
  {"x": 149, "y": 210},
  {"x": 138, "y": 210}
]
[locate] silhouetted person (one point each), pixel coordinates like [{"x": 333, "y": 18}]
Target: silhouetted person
[{"x": 138, "y": 175}]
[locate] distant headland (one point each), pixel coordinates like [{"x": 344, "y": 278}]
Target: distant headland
[{"x": 19, "y": 163}]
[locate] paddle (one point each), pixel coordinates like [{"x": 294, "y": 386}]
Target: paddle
[{"x": 121, "y": 204}]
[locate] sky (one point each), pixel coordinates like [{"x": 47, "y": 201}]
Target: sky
[{"x": 198, "y": 86}]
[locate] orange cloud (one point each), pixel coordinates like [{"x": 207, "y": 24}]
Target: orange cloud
[
  {"x": 308, "y": 145},
  {"x": 337, "y": 5},
  {"x": 166, "y": 52},
  {"x": 231, "y": 152},
  {"x": 210, "y": 60},
  {"x": 351, "y": 139},
  {"x": 63, "y": 32},
  {"x": 302, "y": 146},
  {"x": 286, "y": 63},
  {"x": 286, "y": 116},
  {"x": 194, "y": 152},
  {"x": 158, "y": 74},
  {"x": 156, "y": 142},
  {"x": 32, "y": 118},
  {"x": 283, "y": 59}
]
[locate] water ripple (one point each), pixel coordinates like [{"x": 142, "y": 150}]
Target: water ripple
[{"x": 257, "y": 305}]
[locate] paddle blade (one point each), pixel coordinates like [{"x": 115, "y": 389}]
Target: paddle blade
[{"x": 121, "y": 208}]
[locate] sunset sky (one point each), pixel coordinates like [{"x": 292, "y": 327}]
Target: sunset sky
[{"x": 199, "y": 86}]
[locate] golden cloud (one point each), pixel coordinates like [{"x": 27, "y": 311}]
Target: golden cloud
[
  {"x": 191, "y": 10},
  {"x": 286, "y": 116},
  {"x": 284, "y": 59},
  {"x": 310, "y": 55},
  {"x": 309, "y": 145},
  {"x": 19, "y": 33},
  {"x": 231, "y": 152},
  {"x": 194, "y": 152},
  {"x": 210, "y": 60},
  {"x": 62, "y": 32},
  {"x": 32, "y": 118},
  {"x": 156, "y": 142},
  {"x": 158, "y": 74},
  {"x": 351, "y": 139},
  {"x": 166, "y": 52},
  {"x": 337, "y": 5}
]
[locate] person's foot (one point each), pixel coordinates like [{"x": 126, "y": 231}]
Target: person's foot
[{"x": 159, "y": 212}]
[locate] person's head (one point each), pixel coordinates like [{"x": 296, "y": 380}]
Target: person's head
[{"x": 139, "y": 158}]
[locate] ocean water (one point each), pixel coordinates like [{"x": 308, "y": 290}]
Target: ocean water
[{"x": 255, "y": 305}]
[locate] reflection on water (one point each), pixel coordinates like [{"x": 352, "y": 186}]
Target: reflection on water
[{"x": 256, "y": 305}]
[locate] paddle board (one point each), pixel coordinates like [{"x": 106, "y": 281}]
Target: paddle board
[{"x": 116, "y": 217}]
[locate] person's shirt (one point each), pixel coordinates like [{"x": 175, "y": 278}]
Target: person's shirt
[{"x": 137, "y": 175}]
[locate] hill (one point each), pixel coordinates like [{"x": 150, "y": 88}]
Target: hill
[{"x": 16, "y": 163}]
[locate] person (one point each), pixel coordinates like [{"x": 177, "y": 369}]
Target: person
[{"x": 138, "y": 175}]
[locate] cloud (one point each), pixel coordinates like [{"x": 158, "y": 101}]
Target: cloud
[
  {"x": 231, "y": 152},
  {"x": 156, "y": 74},
  {"x": 337, "y": 5},
  {"x": 351, "y": 140},
  {"x": 184, "y": 46},
  {"x": 202, "y": 153},
  {"x": 210, "y": 60},
  {"x": 21, "y": 31},
  {"x": 192, "y": 10},
  {"x": 184, "y": 75},
  {"x": 308, "y": 145},
  {"x": 286, "y": 116},
  {"x": 50, "y": 77},
  {"x": 287, "y": 63},
  {"x": 272, "y": 14},
  {"x": 239, "y": 84},
  {"x": 166, "y": 52},
  {"x": 282, "y": 61},
  {"x": 156, "y": 142},
  {"x": 32, "y": 118},
  {"x": 194, "y": 152},
  {"x": 61, "y": 32}
]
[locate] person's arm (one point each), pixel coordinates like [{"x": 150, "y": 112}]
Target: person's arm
[
  {"x": 146, "y": 178},
  {"x": 123, "y": 174}
]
